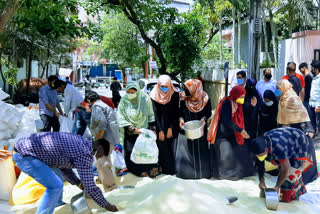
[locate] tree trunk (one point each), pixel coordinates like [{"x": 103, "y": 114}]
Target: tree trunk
[
  {"x": 29, "y": 66},
  {"x": 264, "y": 24},
  {"x": 234, "y": 35},
  {"x": 239, "y": 39},
  {"x": 273, "y": 39},
  {"x": 47, "y": 63},
  {"x": 2, "y": 76},
  {"x": 7, "y": 13},
  {"x": 220, "y": 30}
]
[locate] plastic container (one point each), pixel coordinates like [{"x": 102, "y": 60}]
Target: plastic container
[
  {"x": 8, "y": 178},
  {"x": 272, "y": 199},
  {"x": 79, "y": 204}
]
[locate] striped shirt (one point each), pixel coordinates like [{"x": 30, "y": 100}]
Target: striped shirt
[{"x": 64, "y": 151}]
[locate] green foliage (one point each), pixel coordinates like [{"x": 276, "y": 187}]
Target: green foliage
[
  {"x": 212, "y": 51},
  {"x": 267, "y": 64},
  {"x": 10, "y": 74},
  {"x": 122, "y": 41}
]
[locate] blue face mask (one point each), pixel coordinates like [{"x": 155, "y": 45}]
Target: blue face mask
[
  {"x": 164, "y": 89},
  {"x": 277, "y": 92},
  {"x": 240, "y": 81}
]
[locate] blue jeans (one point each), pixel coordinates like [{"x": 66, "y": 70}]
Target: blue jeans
[
  {"x": 81, "y": 121},
  {"x": 45, "y": 176}
]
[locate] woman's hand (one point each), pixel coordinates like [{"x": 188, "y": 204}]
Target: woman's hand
[
  {"x": 203, "y": 121},
  {"x": 136, "y": 131},
  {"x": 254, "y": 101},
  {"x": 169, "y": 133},
  {"x": 310, "y": 134},
  {"x": 161, "y": 136},
  {"x": 262, "y": 184},
  {"x": 244, "y": 134},
  {"x": 181, "y": 124}
]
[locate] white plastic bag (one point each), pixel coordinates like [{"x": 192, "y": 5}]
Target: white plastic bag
[
  {"x": 117, "y": 160},
  {"x": 66, "y": 124},
  {"x": 39, "y": 124},
  {"x": 145, "y": 150}
]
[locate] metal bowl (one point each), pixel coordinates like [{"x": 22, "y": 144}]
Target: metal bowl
[
  {"x": 272, "y": 199},
  {"x": 79, "y": 204},
  {"x": 194, "y": 129}
]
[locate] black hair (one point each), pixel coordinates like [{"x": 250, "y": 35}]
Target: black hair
[
  {"x": 303, "y": 65},
  {"x": 315, "y": 64},
  {"x": 242, "y": 73},
  {"x": 295, "y": 65},
  {"x": 115, "y": 78},
  {"x": 101, "y": 142},
  {"x": 258, "y": 145},
  {"x": 60, "y": 83},
  {"x": 52, "y": 78},
  {"x": 92, "y": 96},
  {"x": 67, "y": 78}
]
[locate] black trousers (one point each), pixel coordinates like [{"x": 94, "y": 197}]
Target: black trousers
[{"x": 50, "y": 122}]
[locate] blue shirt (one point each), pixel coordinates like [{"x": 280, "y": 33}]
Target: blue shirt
[
  {"x": 262, "y": 86},
  {"x": 64, "y": 151},
  {"x": 47, "y": 95},
  {"x": 315, "y": 92}
]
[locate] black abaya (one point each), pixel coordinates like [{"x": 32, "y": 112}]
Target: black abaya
[
  {"x": 229, "y": 159},
  {"x": 193, "y": 156},
  {"x": 167, "y": 116}
]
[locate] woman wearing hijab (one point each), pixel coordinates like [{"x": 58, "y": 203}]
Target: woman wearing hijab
[
  {"x": 289, "y": 148},
  {"x": 193, "y": 156},
  {"x": 268, "y": 113},
  {"x": 231, "y": 158},
  {"x": 135, "y": 112},
  {"x": 252, "y": 103},
  {"x": 165, "y": 99},
  {"x": 292, "y": 113}
]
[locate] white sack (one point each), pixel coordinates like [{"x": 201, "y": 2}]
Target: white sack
[{"x": 66, "y": 124}]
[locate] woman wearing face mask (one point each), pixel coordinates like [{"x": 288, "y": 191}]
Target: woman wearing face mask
[
  {"x": 135, "y": 112},
  {"x": 193, "y": 156},
  {"x": 292, "y": 113},
  {"x": 230, "y": 154},
  {"x": 165, "y": 99},
  {"x": 268, "y": 113},
  {"x": 289, "y": 148}
]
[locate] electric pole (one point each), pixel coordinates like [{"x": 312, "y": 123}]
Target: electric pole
[{"x": 255, "y": 32}]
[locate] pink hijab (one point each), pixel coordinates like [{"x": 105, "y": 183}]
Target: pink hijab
[
  {"x": 159, "y": 96},
  {"x": 198, "y": 99}
]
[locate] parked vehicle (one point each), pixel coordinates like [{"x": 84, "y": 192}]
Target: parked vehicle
[{"x": 147, "y": 85}]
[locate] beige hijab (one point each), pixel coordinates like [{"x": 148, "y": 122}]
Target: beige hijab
[
  {"x": 163, "y": 97},
  {"x": 291, "y": 109}
]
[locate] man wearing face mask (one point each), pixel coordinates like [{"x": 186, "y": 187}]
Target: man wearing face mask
[
  {"x": 267, "y": 83},
  {"x": 48, "y": 105},
  {"x": 288, "y": 148},
  {"x": 241, "y": 79}
]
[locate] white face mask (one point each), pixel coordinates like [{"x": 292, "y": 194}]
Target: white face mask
[
  {"x": 131, "y": 96},
  {"x": 270, "y": 103}
]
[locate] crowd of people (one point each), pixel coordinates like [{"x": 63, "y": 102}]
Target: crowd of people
[{"x": 268, "y": 120}]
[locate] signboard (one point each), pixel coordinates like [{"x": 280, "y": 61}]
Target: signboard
[{"x": 153, "y": 64}]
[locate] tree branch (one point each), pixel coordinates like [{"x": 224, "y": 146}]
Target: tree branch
[
  {"x": 132, "y": 16},
  {"x": 7, "y": 13},
  {"x": 211, "y": 35}
]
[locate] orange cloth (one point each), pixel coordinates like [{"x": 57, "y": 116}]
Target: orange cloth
[
  {"x": 237, "y": 115},
  {"x": 291, "y": 108},
  {"x": 300, "y": 77},
  {"x": 198, "y": 99}
]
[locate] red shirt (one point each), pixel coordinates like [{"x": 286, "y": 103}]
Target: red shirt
[
  {"x": 300, "y": 77},
  {"x": 107, "y": 101}
]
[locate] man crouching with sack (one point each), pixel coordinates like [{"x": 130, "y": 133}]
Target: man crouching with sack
[{"x": 38, "y": 153}]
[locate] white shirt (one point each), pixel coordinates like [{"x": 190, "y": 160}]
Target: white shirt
[
  {"x": 72, "y": 98},
  {"x": 262, "y": 86}
]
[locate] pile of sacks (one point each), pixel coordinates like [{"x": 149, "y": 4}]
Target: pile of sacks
[{"x": 16, "y": 121}]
